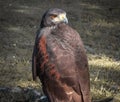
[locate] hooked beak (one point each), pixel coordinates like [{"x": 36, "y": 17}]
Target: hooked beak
[{"x": 63, "y": 18}]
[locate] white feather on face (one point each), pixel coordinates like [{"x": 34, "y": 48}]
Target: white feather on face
[{"x": 60, "y": 18}]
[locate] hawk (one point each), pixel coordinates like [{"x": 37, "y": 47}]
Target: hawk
[{"x": 60, "y": 61}]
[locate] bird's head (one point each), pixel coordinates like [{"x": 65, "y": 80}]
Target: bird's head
[{"x": 53, "y": 17}]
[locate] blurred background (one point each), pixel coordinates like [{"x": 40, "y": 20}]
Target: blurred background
[{"x": 97, "y": 21}]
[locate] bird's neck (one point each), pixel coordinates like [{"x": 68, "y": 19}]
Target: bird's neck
[{"x": 53, "y": 27}]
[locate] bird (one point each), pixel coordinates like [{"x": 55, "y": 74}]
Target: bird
[{"x": 59, "y": 59}]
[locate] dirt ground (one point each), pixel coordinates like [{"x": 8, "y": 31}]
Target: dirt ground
[{"x": 97, "y": 21}]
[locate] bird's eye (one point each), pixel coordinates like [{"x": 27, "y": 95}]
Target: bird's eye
[{"x": 53, "y": 16}]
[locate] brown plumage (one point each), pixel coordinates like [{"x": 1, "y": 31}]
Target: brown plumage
[{"x": 60, "y": 61}]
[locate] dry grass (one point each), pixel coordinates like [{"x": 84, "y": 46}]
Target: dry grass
[{"x": 105, "y": 73}]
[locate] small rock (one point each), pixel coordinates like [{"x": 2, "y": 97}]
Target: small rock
[
  {"x": 43, "y": 99},
  {"x": 89, "y": 49},
  {"x": 16, "y": 90},
  {"x": 14, "y": 45},
  {"x": 10, "y": 5},
  {"x": 14, "y": 57}
]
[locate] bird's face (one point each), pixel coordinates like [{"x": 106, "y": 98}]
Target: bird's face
[
  {"x": 53, "y": 17},
  {"x": 58, "y": 18}
]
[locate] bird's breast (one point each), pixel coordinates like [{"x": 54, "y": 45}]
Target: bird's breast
[{"x": 61, "y": 53}]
